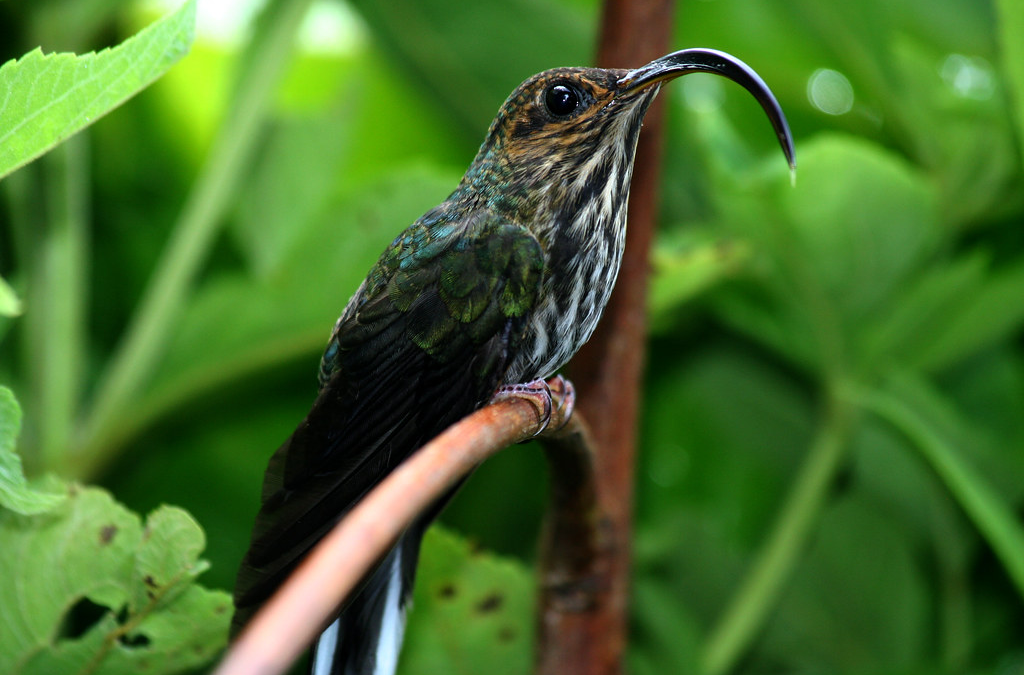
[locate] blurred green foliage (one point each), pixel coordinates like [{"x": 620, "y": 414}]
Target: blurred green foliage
[{"x": 832, "y": 453}]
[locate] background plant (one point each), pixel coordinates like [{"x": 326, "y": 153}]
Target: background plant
[{"x": 832, "y": 465}]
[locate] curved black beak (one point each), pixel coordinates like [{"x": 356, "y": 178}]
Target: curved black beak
[{"x": 713, "y": 61}]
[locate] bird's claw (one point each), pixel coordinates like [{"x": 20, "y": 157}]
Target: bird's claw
[
  {"x": 558, "y": 395},
  {"x": 564, "y": 393}
]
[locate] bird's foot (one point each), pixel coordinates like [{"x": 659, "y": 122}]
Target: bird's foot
[
  {"x": 564, "y": 396},
  {"x": 554, "y": 399}
]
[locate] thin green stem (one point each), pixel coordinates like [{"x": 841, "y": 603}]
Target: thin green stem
[
  {"x": 152, "y": 325},
  {"x": 54, "y": 327},
  {"x": 22, "y": 215},
  {"x": 25, "y": 224},
  {"x": 773, "y": 565}
]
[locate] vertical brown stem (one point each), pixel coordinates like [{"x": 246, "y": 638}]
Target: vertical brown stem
[
  {"x": 579, "y": 547},
  {"x": 588, "y": 635}
]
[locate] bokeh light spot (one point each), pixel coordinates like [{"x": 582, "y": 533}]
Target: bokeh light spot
[
  {"x": 968, "y": 76},
  {"x": 830, "y": 92}
]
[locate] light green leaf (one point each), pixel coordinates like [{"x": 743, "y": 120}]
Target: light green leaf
[
  {"x": 49, "y": 97},
  {"x": 94, "y": 549},
  {"x": 472, "y": 612},
  {"x": 1011, "y": 27},
  {"x": 973, "y": 158},
  {"x": 291, "y": 185},
  {"x": 857, "y": 250},
  {"x": 684, "y": 269},
  {"x": 168, "y": 558},
  {"x": 830, "y": 261},
  {"x": 15, "y": 493},
  {"x": 10, "y": 305}
]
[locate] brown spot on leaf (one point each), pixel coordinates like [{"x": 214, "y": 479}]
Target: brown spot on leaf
[
  {"x": 490, "y": 604},
  {"x": 152, "y": 586},
  {"x": 446, "y": 592},
  {"x": 107, "y": 533},
  {"x": 134, "y": 640},
  {"x": 507, "y": 634}
]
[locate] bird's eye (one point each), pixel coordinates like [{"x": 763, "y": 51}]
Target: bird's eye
[{"x": 561, "y": 99}]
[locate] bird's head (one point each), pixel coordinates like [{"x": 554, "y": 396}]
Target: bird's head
[{"x": 571, "y": 132}]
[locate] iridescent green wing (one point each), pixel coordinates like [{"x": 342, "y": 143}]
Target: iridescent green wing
[{"x": 425, "y": 342}]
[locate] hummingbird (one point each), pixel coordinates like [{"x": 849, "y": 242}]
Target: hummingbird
[{"x": 487, "y": 294}]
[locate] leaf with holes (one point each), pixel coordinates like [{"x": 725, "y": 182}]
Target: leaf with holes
[{"x": 87, "y": 588}]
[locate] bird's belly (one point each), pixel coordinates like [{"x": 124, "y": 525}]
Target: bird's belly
[{"x": 558, "y": 329}]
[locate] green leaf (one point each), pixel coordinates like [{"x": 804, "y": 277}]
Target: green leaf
[
  {"x": 291, "y": 186},
  {"x": 93, "y": 549},
  {"x": 49, "y": 97},
  {"x": 365, "y": 133},
  {"x": 945, "y": 440},
  {"x": 168, "y": 558},
  {"x": 993, "y": 312},
  {"x": 973, "y": 160},
  {"x": 856, "y": 250},
  {"x": 858, "y": 599},
  {"x": 439, "y": 43},
  {"x": 917, "y": 319},
  {"x": 685, "y": 268},
  {"x": 10, "y": 305},
  {"x": 1011, "y": 27},
  {"x": 472, "y": 612},
  {"x": 15, "y": 493},
  {"x": 720, "y": 397},
  {"x": 665, "y": 635},
  {"x": 830, "y": 260}
]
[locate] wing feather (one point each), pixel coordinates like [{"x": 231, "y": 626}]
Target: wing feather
[{"x": 423, "y": 343}]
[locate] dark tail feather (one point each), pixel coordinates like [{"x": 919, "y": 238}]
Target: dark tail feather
[{"x": 366, "y": 637}]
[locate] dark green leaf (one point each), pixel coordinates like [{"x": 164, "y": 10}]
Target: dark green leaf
[
  {"x": 992, "y": 312},
  {"x": 858, "y": 601},
  {"x": 946, "y": 441},
  {"x": 471, "y": 55}
]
